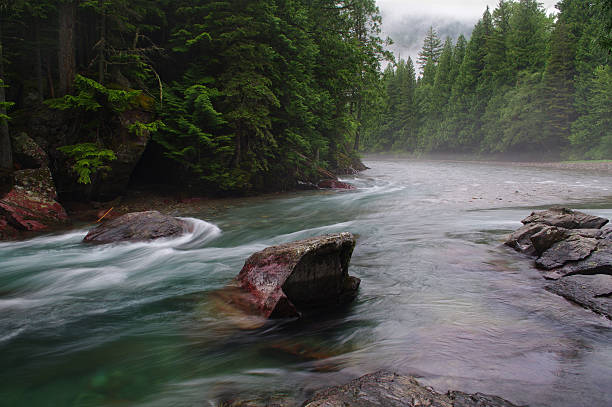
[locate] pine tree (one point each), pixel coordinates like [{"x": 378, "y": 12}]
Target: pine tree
[
  {"x": 432, "y": 48},
  {"x": 558, "y": 86},
  {"x": 528, "y": 36},
  {"x": 592, "y": 132}
]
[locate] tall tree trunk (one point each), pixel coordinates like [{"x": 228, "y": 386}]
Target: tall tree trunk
[
  {"x": 6, "y": 151},
  {"x": 102, "y": 42},
  {"x": 39, "y": 69},
  {"x": 359, "y": 124},
  {"x": 67, "y": 62}
]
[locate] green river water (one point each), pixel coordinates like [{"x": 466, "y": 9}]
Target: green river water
[{"x": 440, "y": 298}]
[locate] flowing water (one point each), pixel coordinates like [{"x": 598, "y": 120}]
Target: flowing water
[{"x": 441, "y": 299}]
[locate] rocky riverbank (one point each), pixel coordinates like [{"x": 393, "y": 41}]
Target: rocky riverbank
[
  {"x": 30, "y": 201},
  {"x": 574, "y": 251}
]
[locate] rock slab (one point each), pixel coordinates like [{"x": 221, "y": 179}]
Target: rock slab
[
  {"x": 136, "y": 227},
  {"x": 389, "y": 389},
  {"x": 566, "y": 218},
  {"x": 281, "y": 280},
  {"x": 593, "y": 292}
]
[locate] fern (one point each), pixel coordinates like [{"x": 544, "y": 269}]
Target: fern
[
  {"x": 141, "y": 129},
  {"x": 88, "y": 158},
  {"x": 93, "y": 96}
]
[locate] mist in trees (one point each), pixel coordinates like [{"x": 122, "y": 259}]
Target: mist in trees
[{"x": 524, "y": 83}]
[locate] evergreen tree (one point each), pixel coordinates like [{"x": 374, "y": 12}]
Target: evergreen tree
[
  {"x": 432, "y": 48},
  {"x": 592, "y": 132}
]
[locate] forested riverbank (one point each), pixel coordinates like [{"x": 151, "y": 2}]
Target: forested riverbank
[
  {"x": 525, "y": 83},
  {"x": 241, "y": 97},
  {"x": 225, "y": 97}
]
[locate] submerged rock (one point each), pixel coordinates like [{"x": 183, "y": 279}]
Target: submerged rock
[
  {"x": 389, "y": 389},
  {"x": 565, "y": 218},
  {"x": 137, "y": 226},
  {"x": 279, "y": 281}
]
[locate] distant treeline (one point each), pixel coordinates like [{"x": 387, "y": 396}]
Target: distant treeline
[
  {"x": 246, "y": 93},
  {"x": 525, "y": 82}
]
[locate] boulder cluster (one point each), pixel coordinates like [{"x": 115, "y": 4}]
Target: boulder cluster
[{"x": 574, "y": 251}]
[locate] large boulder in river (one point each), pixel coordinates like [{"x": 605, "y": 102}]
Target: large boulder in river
[
  {"x": 137, "y": 226},
  {"x": 281, "y": 280},
  {"x": 390, "y": 389}
]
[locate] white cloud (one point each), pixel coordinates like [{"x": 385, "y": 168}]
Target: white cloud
[{"x": 460, "y": 10}]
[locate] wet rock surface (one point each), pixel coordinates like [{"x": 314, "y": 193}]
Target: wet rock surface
[
  {"x": 279, "y": 281},
  {"x": 334, "y": 184},
  {"x": 569, "y": 246},
  {"x": 566, "y": 218},
  {"x": 30, "y": 203},
  {"x": 137, "y": 226},
  {"x": 571, "y": 249},
  {"x": 593, "y": 292},
  {"x": 389, "y": 389}
]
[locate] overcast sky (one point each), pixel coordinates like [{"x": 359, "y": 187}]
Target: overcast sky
[{"x": 407, "y": 21}]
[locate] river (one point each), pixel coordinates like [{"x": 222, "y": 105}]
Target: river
[{"x": 440, "y": 298}]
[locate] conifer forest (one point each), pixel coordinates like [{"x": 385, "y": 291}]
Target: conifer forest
[
  {"x": 523, "y": 83},
  {"x": 253, "y": 95}
]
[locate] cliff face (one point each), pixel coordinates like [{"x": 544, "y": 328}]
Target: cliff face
[{"x": 52, "y": 129}]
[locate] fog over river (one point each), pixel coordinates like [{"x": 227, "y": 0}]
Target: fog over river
[{"x": 440, "y": 298}]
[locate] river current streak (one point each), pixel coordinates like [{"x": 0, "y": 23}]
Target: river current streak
[{"x": 441, "y": 298}]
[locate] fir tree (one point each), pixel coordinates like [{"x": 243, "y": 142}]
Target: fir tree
[{"x": 432, "y": 48}]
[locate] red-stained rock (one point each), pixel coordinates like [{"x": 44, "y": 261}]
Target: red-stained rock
[
  {"x": 31, "y": 205},
  {"x": 334, "y": 184},
  {"x": 281, "y": 280}
]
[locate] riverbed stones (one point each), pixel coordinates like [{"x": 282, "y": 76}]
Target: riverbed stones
[
  {"x": 568, "y": 244},
  {"x": 390, "y": 389},
  {"x": 137, "y": 226},
  {"x": 279, "y": 281}
]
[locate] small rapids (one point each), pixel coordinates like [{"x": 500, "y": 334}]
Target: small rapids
[{"x": 135, "y": 324}]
